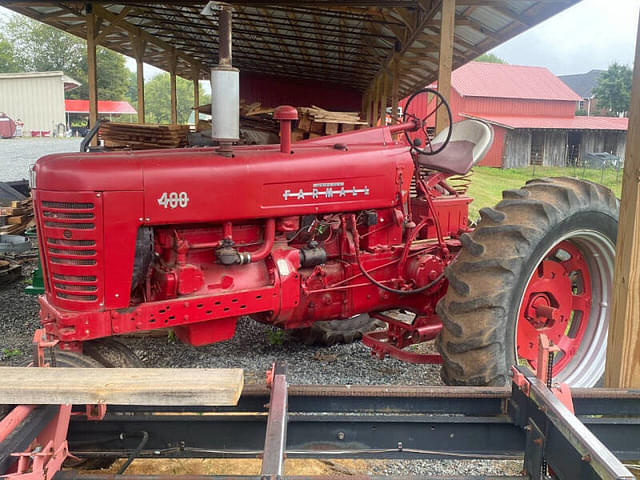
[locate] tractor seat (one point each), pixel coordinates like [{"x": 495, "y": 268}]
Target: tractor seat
[{"x": 470, "y": 141}]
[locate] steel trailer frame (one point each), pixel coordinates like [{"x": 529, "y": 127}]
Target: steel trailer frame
[{"x": 527, "y": 421}]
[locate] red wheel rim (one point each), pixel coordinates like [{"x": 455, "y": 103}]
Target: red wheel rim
[{"x": 556, "y": 302}]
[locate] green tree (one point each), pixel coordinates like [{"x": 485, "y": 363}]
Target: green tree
[
  {"x": 113, "y": 76},
  {"x": 41, "y": 48},
  {"x": 38, "y": 47},
  {"x": 613, "y": 90},
  {"x": 157, "y": 99},
  {"x": 8, "y": 62},
  {"x": 132, "y": 88},
  {"x": 490, "y": 58}
]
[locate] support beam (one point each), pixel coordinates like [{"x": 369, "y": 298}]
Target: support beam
[
  {"x": 445, "y": 59},
  {"x": 384, "y": 85},
  {"x": 394, "y": 91},
  {"x": 92, "y": 71},
  {"x": 138, "y": 44},
  {"x": 172, "y": 81},
  {"x": 623, "y": 350},
  {"x": 195, "y": 74}
]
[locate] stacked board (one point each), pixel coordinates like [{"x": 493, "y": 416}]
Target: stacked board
[
  {"x": 143, "y": 136},
  {"x": 316, "y": 122},
  {"x": 15, "y": 219}
]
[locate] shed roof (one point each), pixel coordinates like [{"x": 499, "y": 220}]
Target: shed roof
[
  {"x": 479, "y": 79},
  {"x": 583, "y": 83},
  {"x": 104, "y": 106},
  {"x": 348, "y": 42},
  {"x": 554, "y": 123},
  {"x": 69, "y": 83}
]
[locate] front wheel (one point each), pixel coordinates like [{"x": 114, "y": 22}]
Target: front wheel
[
  {"x": 540, "y": 262},
  {"x": 332, "y": 332}
]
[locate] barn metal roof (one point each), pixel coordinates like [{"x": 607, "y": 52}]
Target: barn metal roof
[
  {"x": 104, "y": 106},
  {"x": 496, "y": 80},
  {"x": 554, "y": 123},
  {"x": 348, "y": 42}
]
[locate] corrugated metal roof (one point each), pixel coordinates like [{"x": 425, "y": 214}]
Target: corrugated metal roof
[
  {"x": 69, "y": 83},
  {"x": 350, "y": 43},
  {"x": 478, "y": 79},
  {"x": 555, "y": 123},
  {"x": 104, "y": 106}
]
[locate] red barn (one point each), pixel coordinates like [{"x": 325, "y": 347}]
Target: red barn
[{"x": 533, "y": 115}]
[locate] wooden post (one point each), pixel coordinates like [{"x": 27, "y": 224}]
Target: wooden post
[
  {"x": 138, "y": 45},
  {"x": 195, "y": 74},
  {"x": 369, "y": 103},
  {"x": 394, "y": 90},
  {"x": 172, "y": 82},
  {"x": 380, "y": 94},
  {"x": 386, "y": 87},
  {"x": 92, "y": 71},
  {"x": 623, "y": 349},
  {"x": 445, "y": 58}
]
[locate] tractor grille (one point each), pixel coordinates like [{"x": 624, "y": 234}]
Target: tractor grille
[{"x": 72, "y": 243}]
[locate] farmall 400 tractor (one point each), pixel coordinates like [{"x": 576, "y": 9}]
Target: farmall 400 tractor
[{"x": 314, "y": 235}]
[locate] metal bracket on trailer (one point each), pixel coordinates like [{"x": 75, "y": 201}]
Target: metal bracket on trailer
[
  {"x": 275, "y": 441},
  {"x": 347, "y": 422}
]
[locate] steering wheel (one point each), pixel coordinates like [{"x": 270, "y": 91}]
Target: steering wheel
[{"x": 422, "y": 107}]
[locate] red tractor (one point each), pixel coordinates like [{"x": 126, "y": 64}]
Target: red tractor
[{"x": 314, "y": 235}]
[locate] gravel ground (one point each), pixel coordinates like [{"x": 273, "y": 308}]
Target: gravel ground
[
  {"x": 254, "y": 348},
  {"x": 17, "y": 154}
]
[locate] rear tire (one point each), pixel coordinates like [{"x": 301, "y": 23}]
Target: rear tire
[
  {"x": 561, "y": 231},
  {"x": 332, "y": 332}
]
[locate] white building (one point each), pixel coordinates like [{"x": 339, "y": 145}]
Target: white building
[{"x": 35, "y": 98}]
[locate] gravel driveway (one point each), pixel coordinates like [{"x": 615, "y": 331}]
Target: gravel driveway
[
  {"x": 17, "y": 154},
  {"x": 254, "y": 350}
]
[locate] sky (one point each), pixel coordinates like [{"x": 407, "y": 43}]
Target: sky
[{"x": 590, "y": 35}]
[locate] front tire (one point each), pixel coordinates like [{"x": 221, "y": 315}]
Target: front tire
[
  {"x": 540, "y": 262},
  {"x": 332, "y": 332}
]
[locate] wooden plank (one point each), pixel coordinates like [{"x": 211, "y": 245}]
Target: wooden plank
[
  {"x": 331, "y": 128},
  {"x": 121, "y": 386},
  {"x": 623, "y": 350},
  {"x": 297, "y": 135},
  {"x": 19, "y": 220},
  {"x": 445, "y": 58},
  {"x": 304, "y": 123}
]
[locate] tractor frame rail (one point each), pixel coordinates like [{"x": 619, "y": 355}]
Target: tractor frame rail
[{"x": 529, "y": 421}]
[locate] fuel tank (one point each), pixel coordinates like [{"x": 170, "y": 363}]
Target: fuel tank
[{"x": 197, "y": 185}]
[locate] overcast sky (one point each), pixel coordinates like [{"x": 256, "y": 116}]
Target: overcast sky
[{"x": 591, "y": 34}]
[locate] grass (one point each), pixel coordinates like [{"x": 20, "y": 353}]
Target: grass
[{"x": 487, "y": 183}]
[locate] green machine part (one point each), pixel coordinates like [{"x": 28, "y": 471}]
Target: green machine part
[{"x": 37, "y": 282}]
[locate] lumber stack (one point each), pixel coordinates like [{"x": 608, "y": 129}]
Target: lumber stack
[
  {"x": 143, "y": 136},
  {"x": 316, "y": 122},
  {"x": 17, "y": 217}
]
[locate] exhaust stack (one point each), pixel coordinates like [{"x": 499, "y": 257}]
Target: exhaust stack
[{"x": 225, "y": 89}]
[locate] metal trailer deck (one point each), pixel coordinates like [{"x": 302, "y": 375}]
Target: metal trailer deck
[{"x": 527, "y": 422}]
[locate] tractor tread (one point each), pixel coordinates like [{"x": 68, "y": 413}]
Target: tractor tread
[{"x": 478, "y": 335}]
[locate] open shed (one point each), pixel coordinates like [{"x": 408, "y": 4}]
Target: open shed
[{"x": 362, "y": 54}]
